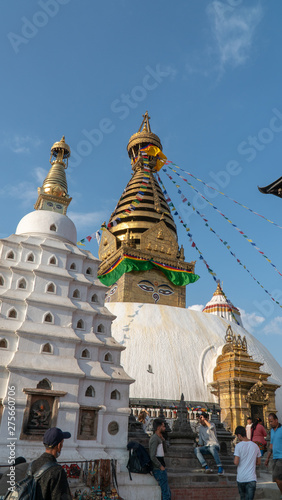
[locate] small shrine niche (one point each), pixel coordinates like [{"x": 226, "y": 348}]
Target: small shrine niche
[
  {"x": 88, "y": 422},
  {"x": 41, "y": 410}
]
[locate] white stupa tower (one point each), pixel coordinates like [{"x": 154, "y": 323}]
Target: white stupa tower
[
  {"x": 219, "y": 305},
  {"x": 60, "y": 366}
]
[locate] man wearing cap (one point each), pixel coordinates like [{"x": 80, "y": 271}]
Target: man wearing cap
[{"x": 53, "y": 484}]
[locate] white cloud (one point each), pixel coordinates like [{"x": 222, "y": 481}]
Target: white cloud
[
  {"x": 40, "y": 174},
  {"x": 196, "y": 307},
  {"x": 273, "y": 327},
  {"x": 21, "y": 143},
  {"x": 233, "y": 29},
  {"x": 90, "y": 219},
  {"x": 251, "y": 320},
  {"x": 25, "y": 191}
]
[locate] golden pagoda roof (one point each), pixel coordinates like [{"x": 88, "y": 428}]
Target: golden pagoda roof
[
  {"x": 143, "y": 136},
  {"x": 56, "y": 181},
  {"x": 55, "y": 188},
  {"x": 153, "y": 207}
]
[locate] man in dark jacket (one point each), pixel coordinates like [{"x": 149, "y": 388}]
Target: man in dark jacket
[
  {"x": 53, "y": 485},
  {"x": 20, "y": 467},
  {"x": 157, "y": 450}
]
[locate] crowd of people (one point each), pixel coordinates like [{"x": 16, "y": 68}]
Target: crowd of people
[
  {"x": 251, "y": 446},
  {"x": 51, "y": 479}
]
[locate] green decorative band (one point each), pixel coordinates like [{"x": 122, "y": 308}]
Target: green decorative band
[{"x": 128, "y": 263}]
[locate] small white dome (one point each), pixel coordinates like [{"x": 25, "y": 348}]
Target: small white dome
[{"x": 51, "y": 223}]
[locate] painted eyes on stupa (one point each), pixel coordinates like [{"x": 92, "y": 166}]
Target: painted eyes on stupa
[
  {"x": 165, "y": 290},
  {"x": 146, "y": 287},
  {"x": 113, "y": 290}
]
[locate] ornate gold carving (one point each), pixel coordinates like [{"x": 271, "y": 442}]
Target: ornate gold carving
[
  {"x": 257, "y": 394},
  {"x": 148, "y": 231},
  {"x": 237, "y": 343},
  {"x": 239, "y": 383},
  {"x": 144, "y": 136}
]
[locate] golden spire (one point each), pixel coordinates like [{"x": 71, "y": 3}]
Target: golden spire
[
  {"x": 153, "y": 206},
  {"x": 229, "y": 334},
  {"x": 142, "y": 227},
  {"x": 142, "y": 138},
  {"x": 218, "y": 291},
  {"x": 145, "y": 123},
  {"x": 53, "y": 195}
]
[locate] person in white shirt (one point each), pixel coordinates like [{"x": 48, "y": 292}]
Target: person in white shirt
[
  {"x": 246, "y": 456},
  {"x": 249, "y": 428}
]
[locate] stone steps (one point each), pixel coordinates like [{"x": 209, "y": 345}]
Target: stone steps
[{"x": 198, "y": 476}]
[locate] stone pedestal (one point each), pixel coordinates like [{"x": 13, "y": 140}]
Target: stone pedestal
[
  {"x": 136, "y": 432},
  {"x": 224, "y": 437}
]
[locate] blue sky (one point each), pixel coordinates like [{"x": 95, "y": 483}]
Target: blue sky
[{"x": 208, "y": 72}]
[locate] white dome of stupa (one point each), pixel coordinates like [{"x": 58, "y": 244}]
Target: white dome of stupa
[
  {"x": 170, "y": 350},
  {"x": 49, "y": 223}
]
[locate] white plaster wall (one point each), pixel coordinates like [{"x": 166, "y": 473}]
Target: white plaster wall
[{"x": 23, "y": 364}]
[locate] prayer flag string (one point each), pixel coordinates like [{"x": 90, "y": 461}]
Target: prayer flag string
[
  {"x": 220, "y": 192},
  {"x": 225, "y": 243},
  {"x": 252, "y": 243},
  {"x": 189, "y": 234}
]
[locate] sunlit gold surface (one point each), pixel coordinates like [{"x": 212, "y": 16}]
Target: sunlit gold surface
[
  {"x": 240, "y": 384},
  {"x": 144, "y": 136},
  {"x": 55, "y": 189},
  {"x": 148, "y": 231}
]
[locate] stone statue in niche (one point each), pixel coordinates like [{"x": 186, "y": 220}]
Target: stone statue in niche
[
  {"x": 87, "y": 421},
  {"x": 40, "y": 415},
  {"x": 87, "y": 427}
]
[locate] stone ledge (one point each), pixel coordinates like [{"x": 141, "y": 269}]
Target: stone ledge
[{"x": 142, "y": 486}]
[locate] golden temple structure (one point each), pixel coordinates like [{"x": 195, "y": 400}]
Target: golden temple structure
[
  {"x": 53, "y": 195},
  {"x": 240, "y": 385},
  {"x": 141, "y": 236}
]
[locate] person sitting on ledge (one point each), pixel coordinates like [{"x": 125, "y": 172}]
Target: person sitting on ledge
[{"x": 208, "y": 444}]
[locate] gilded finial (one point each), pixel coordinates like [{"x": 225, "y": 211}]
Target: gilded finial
[
  {"x": 142, "y": 138},
  {"x": 145, "y": 123},
  {"x": 219, "y": 290},
  {"x": 229, "y": 334},
  {"x": 60, "y": 151},
  {"x": 244, "y": 344}
]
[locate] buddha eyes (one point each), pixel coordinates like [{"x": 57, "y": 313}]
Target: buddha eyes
[
  {"x": 146, "y": 288},
  {"x": 165, "y": 291},
  {"x": 113, "y": 290}
]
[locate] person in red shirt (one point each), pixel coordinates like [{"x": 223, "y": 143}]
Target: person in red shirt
[{"x": 259, "y": 434}]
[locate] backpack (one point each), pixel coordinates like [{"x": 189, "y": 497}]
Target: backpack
[
  {"x": 139, "y": 460},
  {"x": 26, "y": 488}
]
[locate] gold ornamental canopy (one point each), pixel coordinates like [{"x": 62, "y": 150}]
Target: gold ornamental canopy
[
  {"x": 143, "y": 137},
  {"x": 60, "y": 151}
]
